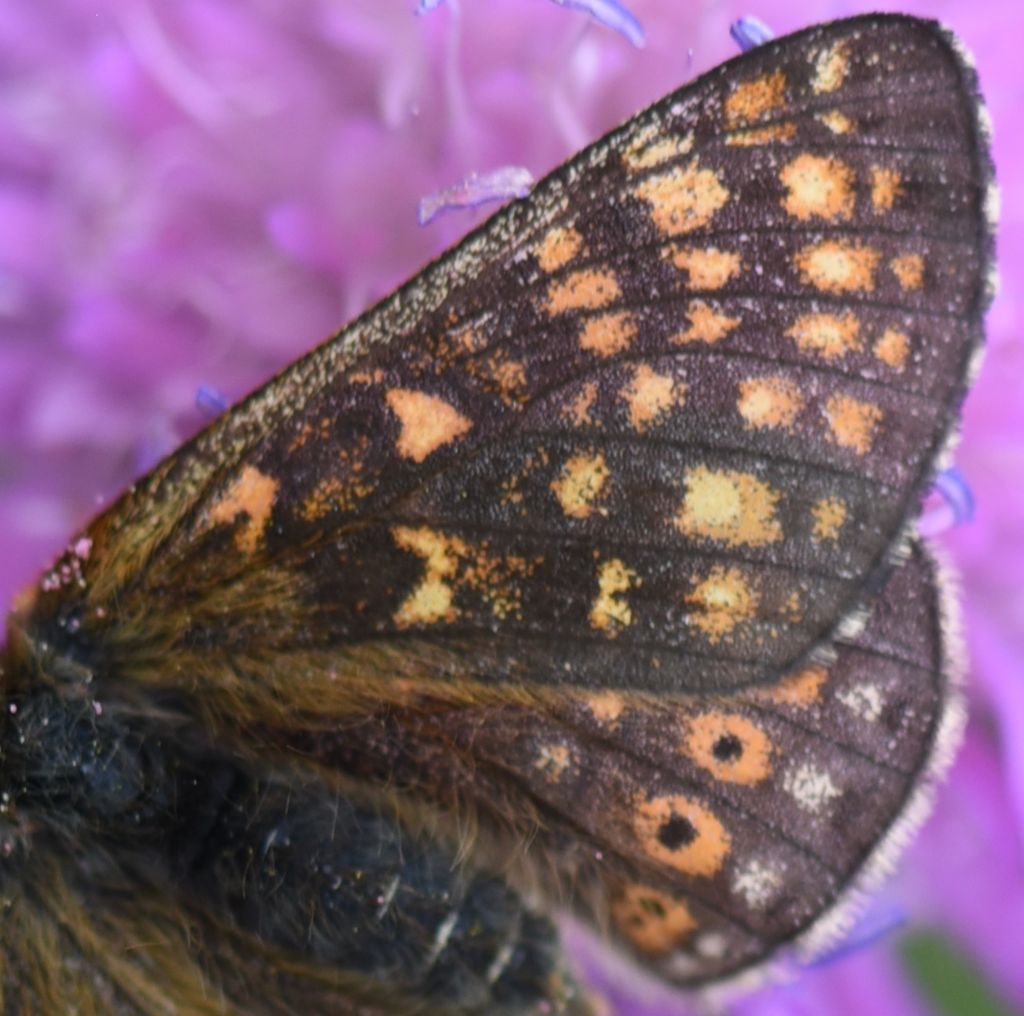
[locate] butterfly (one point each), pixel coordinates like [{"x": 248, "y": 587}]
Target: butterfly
[{"x": 578, "y": 575}]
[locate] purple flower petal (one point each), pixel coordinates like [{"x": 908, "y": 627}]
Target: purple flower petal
[
  {"x": 748, "y": 32},
  {"x": 476, "y": 190},
  {"x": 610, "y": 13},
  {"x": 950, "y": 503}
]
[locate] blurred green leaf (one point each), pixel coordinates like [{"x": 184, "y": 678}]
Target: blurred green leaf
[{"x": 948, "y": 978}]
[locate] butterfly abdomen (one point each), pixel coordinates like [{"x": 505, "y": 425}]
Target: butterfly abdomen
[{"x": 286, "y": 858}]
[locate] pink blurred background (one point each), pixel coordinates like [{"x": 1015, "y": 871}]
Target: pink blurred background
[{"x": 193, "y": 193}]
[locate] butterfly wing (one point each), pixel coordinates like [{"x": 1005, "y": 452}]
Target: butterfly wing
[
  {"x": 544, "y": 533},
  {"x": 703, "y": 832},
  {"x": 657, "y": 428}
]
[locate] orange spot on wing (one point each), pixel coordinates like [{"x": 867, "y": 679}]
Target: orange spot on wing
[
  {"x": 553, "y": 760},
  {"x": 831, "y": 66},
  {"x": 559, "y": 246},
  {"x": 752, "y": 136},
  {"x": 706, "y": 324},
  {"x": 679, "y": 832},
  {"x": 706, "y": 267},
  {"x": 730, "y": 747},
  {"x": 800, "y": 690},
  {"x": 427, "y": 422},
  {"x": 510, "y": 377},
  {"x": 722, "y": 600},
  {"x": 649, "y": 395},
  {"x": 735, "y": 508},
  {"x": 606, "y": 706},
  {"x": 818, "y": 187},
  {"x": 587, "y": 289},
  {"x": 611, "y": 611},
  {"x": 829, "y": 514},
  {"x": 651, "y": 920},
  {"x": 769, "y": 402},
  {"x": 852, "y": 423},
  {"x": 608, "y": 334},
  {"x": 838, "y": 266},
  {"x": 577, "y": 410},
  {"x": 652, "y": 146},
  {"x": 909, "y": 270},
  {"x": 450, "y": 564},
  {"x": 886, "y": 187},
  {"x": 432, "y": 599},
  {"x": 683, "y": 199},
  {"x": 828, "y": 335},
  {"x": 252, "y": 494},
  {"x": 836, "y": 122},
  {"x": 893, "y": 348},
  {"x": 752, "y": 100},
  {"x": 580, "y": 484}
]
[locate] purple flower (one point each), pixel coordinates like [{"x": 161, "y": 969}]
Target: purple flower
[{"x": 192, "y": 194}]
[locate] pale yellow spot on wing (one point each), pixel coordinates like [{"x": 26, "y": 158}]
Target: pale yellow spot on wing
[
  {"x": 730, "y": 747},
  {"x": 909, "y": 270},
  {"x": 752, "y": 136},
  {"x": 722, "y": 601},
  {"x": 649, "y": 395},
  {"x": 608, "y": 334},
  {"x": 828, "y": 335},
  {"x": 893, "y": 348},
  {"x": 681, "y": 833},
  {"x": 587, "y": 289},
  {"x": 610, "y": 611},
  {"x": 559, "y": 246},
  {"x": 580, "y": 484},
  {"x": 451, "y": 564},
  {"x": 818, "y": 186},
  {"x": 651, "y": 147},
  {"x": 831, "y": 66},
  {"x": 606, "y": 706},
  {"x": 683, "y": 199},
  {"x": 852, "y": 423},
  {"x": 752, "y": 100},
  {"x": 651, "y": 920},
  {"x": 886, "y": 187},
  {"x": 553, "y": 760},
  {"x": 427, "y": 422},
  {"x": 838, "y": 266},
  {"x": 706, "y": 324},
  {"x": 800, "y": 690},
  {"x": 736, "y": 508},
  {"x": 836, "y": 122},
  {"x": 769, "y": 402},
  {"x": 252, "y": 494},
  {"x": 829, "y": 514},
  {"x": 706, "y": 267},
  {"x": 431, "y": 600}
]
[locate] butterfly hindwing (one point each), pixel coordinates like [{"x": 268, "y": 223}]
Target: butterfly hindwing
[{"x": 703, "y": 832}]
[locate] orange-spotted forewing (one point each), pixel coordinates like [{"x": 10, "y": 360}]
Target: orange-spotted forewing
[{"x": 576, "y": 574}]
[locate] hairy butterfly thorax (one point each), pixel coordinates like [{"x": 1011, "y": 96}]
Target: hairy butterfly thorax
[{"x": 578, "y": 574}]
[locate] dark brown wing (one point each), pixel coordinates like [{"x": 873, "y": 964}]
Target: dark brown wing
[
  {"x": 656, "y": 428},
  {"x": 703, "y": 832}
]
